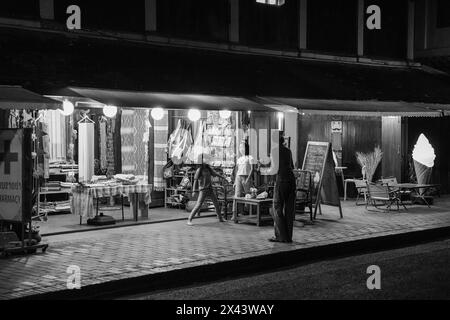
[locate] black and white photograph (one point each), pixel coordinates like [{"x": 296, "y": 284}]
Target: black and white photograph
[{"x": 224, "y": 158}]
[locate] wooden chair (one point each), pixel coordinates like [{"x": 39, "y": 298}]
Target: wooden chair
[
  {"x": 303, "y": 179},
  {"x": 382, "y": 193},
  {"x": 361, "y": 190}
]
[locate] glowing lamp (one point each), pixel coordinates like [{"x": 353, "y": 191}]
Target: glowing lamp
[
  {"x": 110, "y": 111},
  {"x": 194, "y": 115},
  {"x": 68, "y": 108},
  {"x": 157, "y": 113},
  {"x": 277, "y": 3},
  {"x": 225, "y": 114}
]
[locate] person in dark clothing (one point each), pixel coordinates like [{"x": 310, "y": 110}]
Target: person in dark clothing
[{"x": 284, "y": 196}]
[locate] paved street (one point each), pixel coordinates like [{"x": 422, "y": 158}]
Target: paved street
[
  {"x": 406, "y": 273},
  {"x": 122, "y": 253}
]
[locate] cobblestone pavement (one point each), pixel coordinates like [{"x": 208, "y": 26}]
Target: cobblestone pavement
[{"x": 113, "y": 254}]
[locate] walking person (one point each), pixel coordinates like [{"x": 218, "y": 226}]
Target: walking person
[
  {"x": 203, "y": 184},
  {"x": 284, "y": 196}
]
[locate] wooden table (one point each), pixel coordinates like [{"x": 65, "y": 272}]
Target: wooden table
[
  {"x": 258, "y": 203},
  {"x": 416, "y": 187}
]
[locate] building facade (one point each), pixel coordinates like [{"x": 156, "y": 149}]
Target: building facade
[{"x": 316, "y": 49}]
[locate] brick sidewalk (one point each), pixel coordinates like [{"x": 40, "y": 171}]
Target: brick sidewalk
[{"x": 115, "y": 254}]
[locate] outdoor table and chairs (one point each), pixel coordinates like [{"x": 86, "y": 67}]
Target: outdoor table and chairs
[
  {"x": 390, "y": 192},
  {"x": 83, "y": 198},
  {"x": 420, "y": 190}
]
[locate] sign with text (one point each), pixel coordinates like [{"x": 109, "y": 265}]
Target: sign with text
[
  {"x": 318, "y": 159},
  {"x": 15, "y": 174}
]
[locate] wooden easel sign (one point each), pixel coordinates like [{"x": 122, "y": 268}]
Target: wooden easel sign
[{"x": 319, "y": 160}]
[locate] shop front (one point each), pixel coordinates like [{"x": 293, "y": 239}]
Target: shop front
[{"x": 126, "y": 157}]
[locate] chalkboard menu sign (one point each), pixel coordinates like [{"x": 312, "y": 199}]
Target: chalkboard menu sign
[
  {"x": 315, "y": 157},
  {"x": 318, "y": 160}
]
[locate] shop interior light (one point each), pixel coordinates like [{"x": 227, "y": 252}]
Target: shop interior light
[
  {"x": 194, "y": 114},
  {"x": 157, "y": 113},
  {"x": 225, "y": 114},
  {"x": 110, "y": 111},
  {"x": 68, "y": 108}
]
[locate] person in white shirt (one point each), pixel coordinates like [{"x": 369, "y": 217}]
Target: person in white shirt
[{"x": 243, "y": 178}]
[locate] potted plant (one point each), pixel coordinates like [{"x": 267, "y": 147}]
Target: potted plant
[{"x": 369, "y": 162}]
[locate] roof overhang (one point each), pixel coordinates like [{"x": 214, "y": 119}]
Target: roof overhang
[
  {"x": 359, "y": 108},
  {"x": 144, "y": 99},
  {"x": 16, "y": 97}
]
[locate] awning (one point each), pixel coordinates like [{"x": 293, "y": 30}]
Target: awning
[
  {"x": 140, "y": 99},
  {"x": 357, "y": 108},
  {"x": 16, "y": 97}
]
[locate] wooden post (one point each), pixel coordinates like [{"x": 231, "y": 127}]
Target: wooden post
[
  {"x": 303, "y": 24},
  {"x": 410, "y": 31},
  {"x": 47, "y": 9},
  {"x": 391, "y": 146},
  {"x": 361, "y": 26},
  {"x": 233, "y": 28},
  {"x": 150, "y": 15}
]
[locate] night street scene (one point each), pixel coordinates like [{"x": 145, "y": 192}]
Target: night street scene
[{"x": 230, "y": 157}]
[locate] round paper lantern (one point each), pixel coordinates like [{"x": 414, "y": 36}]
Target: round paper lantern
[
  {"x": 110, "y": 111},
  {"x": 157, "y": 113},
  {"x": 225, "y": 114},
  {"x": 194, "y": 115},
  {"x": 68, "y": 108}
]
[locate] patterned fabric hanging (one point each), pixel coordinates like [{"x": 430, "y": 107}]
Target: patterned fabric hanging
[
  {"x": 161, "y": 131},
  {"x": 133, "y": 131}
]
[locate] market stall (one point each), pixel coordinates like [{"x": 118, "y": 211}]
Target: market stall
[
  {"x": 161, "y": 138},
  {"x": 22, "y": 159}
]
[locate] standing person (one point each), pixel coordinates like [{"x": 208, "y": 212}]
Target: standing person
[
  {"x": 243, "y": 176},
  {"x": 284, "y": 196},
  {"x": 203, "y": 184}
]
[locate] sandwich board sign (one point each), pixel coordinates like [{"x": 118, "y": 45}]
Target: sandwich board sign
[
  {"x": 319, "y": 161},
  {"x": 15, "y": 175}
]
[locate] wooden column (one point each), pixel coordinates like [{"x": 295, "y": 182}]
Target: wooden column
[
  {"x": 410, "y": 31},
  {"x": 303, "y": 24},
  {"x": 47, "y": 9},
  {"x": 150, "y": 15},
  {"x": 391, "y": 146},
  {"x": 360, "y": 26},
  {"x": 291, "y": 130},
  {"x": 233, "y": 28}
]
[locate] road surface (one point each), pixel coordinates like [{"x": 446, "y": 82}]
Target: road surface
[{"x": 416, "y": 272}]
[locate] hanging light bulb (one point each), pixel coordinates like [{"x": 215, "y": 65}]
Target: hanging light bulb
[
  {"x": 110, "y": 111},
  {"x": 68, "y": 108},
  {"x": 225, "y": 114},
  {"x": 194, "y": 115},
  {"x": 157, "y": 113}
]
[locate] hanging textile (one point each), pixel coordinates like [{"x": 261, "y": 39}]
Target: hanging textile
[
  {"x": 134, "y": 134},
  {"x": 56, "y": 124},
  {"x": 85, "y": 151},
  {"x": 103, "y": 147},
  {"x": 161, "y": 131}
]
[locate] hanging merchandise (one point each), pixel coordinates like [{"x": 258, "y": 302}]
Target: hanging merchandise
[
  {"x": 179, "y": 151},
  {"x": 133, "y": 130},
  {"x": 56, "y": 124},
  {"x": 85, "y": 149},
  {"x": 103, "y": 148},
  {"x": 197, "y": 151},
  {"x": 160, "y": 131}
]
